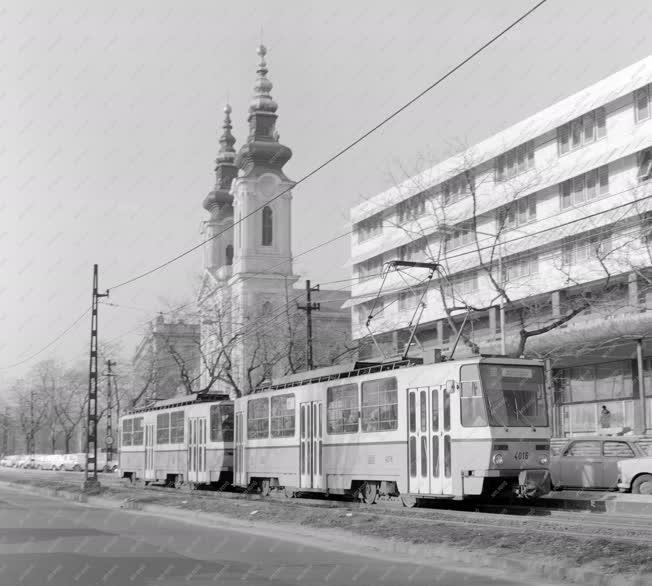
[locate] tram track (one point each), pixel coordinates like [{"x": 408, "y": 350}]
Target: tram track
[{"x": 505, "y": 517}]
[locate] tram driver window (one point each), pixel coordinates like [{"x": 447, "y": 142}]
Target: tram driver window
[
  {"x": 342, "y": 409},
  {"x": 472, "y": 404},
  {"x": 380, "y": 405}
]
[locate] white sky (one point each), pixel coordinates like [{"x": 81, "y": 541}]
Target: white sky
[{"x": 111, "y": 112}]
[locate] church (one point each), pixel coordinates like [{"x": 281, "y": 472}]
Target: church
[{"x": 252, "y": 306}]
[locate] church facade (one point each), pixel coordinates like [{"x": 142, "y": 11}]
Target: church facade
[{"x": 251, "y": 326}]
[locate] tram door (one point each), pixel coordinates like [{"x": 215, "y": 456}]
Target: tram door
[
  {"x": 310, "y": 427},
  {"x": 429, "y": 465},
  {"x": 239, "y": 472},
  {"x": 149, "y": 473},
  {"x": 197, "y": 450}
]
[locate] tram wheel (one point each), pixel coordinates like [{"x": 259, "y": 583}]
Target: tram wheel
[
  {"x": 408, "y": 500},
  {"x": 369, "y": 493},
  {"x": 265, "y": 487}
]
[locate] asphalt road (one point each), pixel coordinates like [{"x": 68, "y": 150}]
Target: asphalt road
[{"x": 47, "y": 542}]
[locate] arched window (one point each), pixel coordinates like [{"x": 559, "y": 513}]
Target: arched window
[
  {"x": 267, "y": 226},
  {"x": 229, "y": 255}
]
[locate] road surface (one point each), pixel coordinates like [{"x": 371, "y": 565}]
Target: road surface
[{"x": 49, "y": 542}]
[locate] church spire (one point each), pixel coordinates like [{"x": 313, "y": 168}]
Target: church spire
[
  {"x": 225, "y": 170},
  {"x": 262, "y": 152}
]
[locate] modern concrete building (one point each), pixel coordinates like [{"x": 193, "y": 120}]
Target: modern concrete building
[{"x": 543, "y": 236}]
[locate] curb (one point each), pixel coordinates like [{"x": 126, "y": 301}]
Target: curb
[{"x": 427, "y": 554}]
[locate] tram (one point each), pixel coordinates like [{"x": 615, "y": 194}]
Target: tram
[
  {"x": 180, "y": 441},
  {"x": 468, "y": 427}
]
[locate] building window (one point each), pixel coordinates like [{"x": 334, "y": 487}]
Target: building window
[
  {"x": 380, "y": 405},
  {"x": 412, "y": 208},
  {"x": 416, "y": 250},
  {"x": 463, "y": 284},
  {"x": 597, "y": 382},
  {"x": 642, "y": 103},
  {"x": 457, "y": 188},
  {"x": 229, "y": 255},
  {"x": 645, "y": 165},
  {"x": 370, "y": 267},
  {"x": 370, "y": 227},
  {"x": 584, "y": 187},
  {"x": 342, "y": 409},
  {"x": 582, "y": 131},
  {"x": 517, "y": 213},
  {"x": 221, "y": 423},
  {"x": 409, "y": 299},
  {"x": 586, "y": 248},
  {"x": 460, "y": 235},
  {"x": 267, "y": 226},
  {"x": 515, "y": 161},
  {"x": 282, "y": 419},
  {"x": 258, "y": 418},
  {"x": 519, "y": 267}
]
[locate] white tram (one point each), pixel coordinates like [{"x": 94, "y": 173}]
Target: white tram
[
  {"x": 448, "y": 429},
  {"x": 185, "y": 440}
]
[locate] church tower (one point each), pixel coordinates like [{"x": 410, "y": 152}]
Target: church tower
[{"x": 218, "y": 253}]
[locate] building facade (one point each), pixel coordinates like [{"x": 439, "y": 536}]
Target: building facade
[
  {"x": 542, "y": 237},
  {"x": 167, "y": 360},
  {"x": 251, "y": 326}
]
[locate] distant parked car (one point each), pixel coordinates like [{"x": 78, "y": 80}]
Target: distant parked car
[
  {"x": 25, "y": 462},
  {"x": 75, "y": 462},
  {"x": 635, "y": 475},
  {"x": 49, "y": 462},
  {"x": 591, "y": 462}
]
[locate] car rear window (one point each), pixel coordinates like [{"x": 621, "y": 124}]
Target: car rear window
[
  {"x": 617, "y": 450},
  {"x": 645, "y": 447},
  {"x": 584, "y": 448}
]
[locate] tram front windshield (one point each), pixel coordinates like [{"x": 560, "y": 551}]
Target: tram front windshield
[{"x": 502, "y": 396}]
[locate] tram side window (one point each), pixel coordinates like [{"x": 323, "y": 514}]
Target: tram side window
[
  {"x": 282, "y": 419},
  {"x": 221, "y": 423},
  {"x": 472, "y": 404},
  {"x": 127, "y": 431},
  {"x": 258, "y": 418},
  {"x": 342, "y": 408},
  {"x": 176, "y": 427},
  {"x": 137, "y": 435},
  {"x": 380, "y": 405},
  {"x": 163, "y": 428}
]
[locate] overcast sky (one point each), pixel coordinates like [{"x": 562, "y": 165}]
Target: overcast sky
[{"x": 111, "y": 112}]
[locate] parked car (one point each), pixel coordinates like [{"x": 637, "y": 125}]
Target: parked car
[
  {"x": 75, "y": 462},
  {"x": 25, "y": 462},
  {"x": 591, "y": 462},
  {"x": 49, "y": 462},
  {"x": 635, "y": 475}
]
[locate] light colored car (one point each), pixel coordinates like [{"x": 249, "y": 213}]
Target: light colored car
[
  {"x": 75, "y": 462},
  {"x": 50, "y": 462},
  {"x": 591, "y": 462},
  {"x": 635, "y": 475},
  {"x": 25, "y": 462}
]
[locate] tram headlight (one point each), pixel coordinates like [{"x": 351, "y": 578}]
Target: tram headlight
[
  {"x": 498, "y": 459},
  {"x": 543, "y": 460}
]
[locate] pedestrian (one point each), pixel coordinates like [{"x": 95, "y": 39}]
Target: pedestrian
[{"x": 605, "y": 417}]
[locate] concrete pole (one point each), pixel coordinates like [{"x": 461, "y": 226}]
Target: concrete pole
[{"x": 641, "y": 384}]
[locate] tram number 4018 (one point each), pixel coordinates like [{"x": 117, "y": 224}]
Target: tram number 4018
[{"x": 521, "y": 455}]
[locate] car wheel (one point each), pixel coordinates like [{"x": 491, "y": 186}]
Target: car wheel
[
  {"x": 642, "y": 485},
  {"x": 77, "y": 468}
]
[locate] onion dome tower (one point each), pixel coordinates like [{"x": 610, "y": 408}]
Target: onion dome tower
[
  {"x": 219, "y": 202},
  {"x": 262, "y": 152}
]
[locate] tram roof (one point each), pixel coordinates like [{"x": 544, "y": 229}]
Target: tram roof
[{"x": 181, "y": 401}]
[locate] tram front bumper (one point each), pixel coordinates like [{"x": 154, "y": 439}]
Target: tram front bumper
[{"x": 534, "y": 483}]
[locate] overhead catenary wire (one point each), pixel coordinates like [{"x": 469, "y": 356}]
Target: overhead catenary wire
[{"x": 346, "y": 148}]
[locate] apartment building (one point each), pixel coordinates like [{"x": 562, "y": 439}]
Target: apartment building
[{"x": 543, "y": 238}]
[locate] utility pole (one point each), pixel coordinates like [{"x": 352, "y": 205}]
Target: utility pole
[
  {"x": 309, "y": 307},
  {"x": 108, "y": 440},
  {"x": 91, "y": 483}
]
